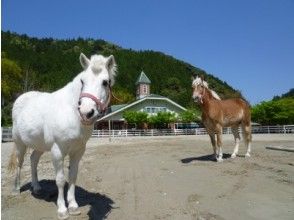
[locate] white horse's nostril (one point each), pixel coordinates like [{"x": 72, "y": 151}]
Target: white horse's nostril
[{"x": 90, "y": 114}]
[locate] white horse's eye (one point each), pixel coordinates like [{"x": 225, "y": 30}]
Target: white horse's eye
[{"x": 105, "y": 83}]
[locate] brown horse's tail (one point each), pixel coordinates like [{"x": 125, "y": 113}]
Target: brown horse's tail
[
  {"x": 12, "y": 164},
  {"x": 246, "y": 125}
]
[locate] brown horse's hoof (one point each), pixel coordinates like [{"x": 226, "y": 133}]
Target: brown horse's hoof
[
  {"x": 233, "y": 156},
  {"x": 219, "y": 160}
]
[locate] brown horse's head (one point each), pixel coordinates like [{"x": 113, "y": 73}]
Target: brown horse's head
[{"x": 199, "y": 86}]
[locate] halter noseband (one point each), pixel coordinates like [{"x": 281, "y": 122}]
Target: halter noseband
[{"x": 98, "y": 102}]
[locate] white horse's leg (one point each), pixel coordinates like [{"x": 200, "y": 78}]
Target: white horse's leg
[
  {"x": 20, "y": 152},
  {"x": 57, "y": 158},
  {"x": 35, "y": 157},
  {"x": 219, "y": 144},
  {"x": 72, "y": 177},
  {"x": 235, "y": 132}
]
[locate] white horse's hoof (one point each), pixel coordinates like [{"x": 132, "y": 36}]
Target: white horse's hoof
[
  {"x": 63, "y": 215},
  {"x": 15, "y": 192},
  {"x": 233, "y": 156},
  {"x": 74, "y": 211},
  {"x": 247, "y": 155}
]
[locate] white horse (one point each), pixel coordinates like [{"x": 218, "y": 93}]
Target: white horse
[{"x": 62, "y": 122}]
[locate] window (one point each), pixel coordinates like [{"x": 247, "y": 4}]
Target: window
[
  {"x": 154, "y": 110},
  {"x": 144, "y": 89}
]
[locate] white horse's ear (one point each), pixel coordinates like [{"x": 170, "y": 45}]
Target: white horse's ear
[
  {"x": 111, "y": 66},
  {"x": 111, "y": 62},
  {"x": 85, "y": 62}
]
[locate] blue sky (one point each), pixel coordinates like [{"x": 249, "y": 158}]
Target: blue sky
[{"x": 247, "y": 43}]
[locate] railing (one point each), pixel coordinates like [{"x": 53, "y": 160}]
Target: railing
[
  {"x": 197, "y": 131},
  {"x": 7, "y": 132}
]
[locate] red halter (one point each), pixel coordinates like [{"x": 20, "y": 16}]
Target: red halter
[{"x": 96, "y": 100}]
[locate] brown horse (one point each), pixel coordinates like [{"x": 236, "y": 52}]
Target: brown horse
[{"x": 217, "y": 113}]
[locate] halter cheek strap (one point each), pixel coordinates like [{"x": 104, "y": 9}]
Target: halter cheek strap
[{"x": 202, "y": 95}]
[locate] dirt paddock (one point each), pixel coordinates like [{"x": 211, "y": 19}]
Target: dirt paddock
[{"x": 164, "y": 178}]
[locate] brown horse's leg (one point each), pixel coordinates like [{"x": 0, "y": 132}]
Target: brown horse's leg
[
  {"x": 212, "y": 139},
  {"x": 247, "y": 138},
  {"x": 219, "y": 144},
  {"x": 236, "y": 134}
]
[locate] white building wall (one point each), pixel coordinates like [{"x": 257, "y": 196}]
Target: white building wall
[{"x": 149, "y": 103}]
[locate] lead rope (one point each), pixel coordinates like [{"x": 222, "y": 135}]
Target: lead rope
[{"x": 114, "y": 96}]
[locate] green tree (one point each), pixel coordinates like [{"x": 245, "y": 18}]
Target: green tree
[
  {"x": 6, "y": 119},
  {"x": 162, "y": 119},
  {"x": 138, "y": 118},
  {"x": 274, "y": 112},
  {"x": 11, "y": 79},
  {"x": 191, "y": 115},
  {"x": 122, "y": 96}
]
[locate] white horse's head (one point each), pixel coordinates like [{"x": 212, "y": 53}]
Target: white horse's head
[{"x": 96, "y": 82}]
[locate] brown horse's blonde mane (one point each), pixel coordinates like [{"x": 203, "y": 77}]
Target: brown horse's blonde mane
[{"x": 213, "y": 94}]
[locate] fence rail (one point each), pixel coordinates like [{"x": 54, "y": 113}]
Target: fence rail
[
  {"x": 7, "y": 132},
  {"x": 195, "y": 131}
]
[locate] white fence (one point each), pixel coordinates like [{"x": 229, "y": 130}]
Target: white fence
[
  {"x": 197, "y": 131},
  {"x": 7, "y": 135}
]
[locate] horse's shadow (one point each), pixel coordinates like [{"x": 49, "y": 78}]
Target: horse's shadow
[
  {"x": 209, "y": 157},
  {"x": 101, "y": 205}
]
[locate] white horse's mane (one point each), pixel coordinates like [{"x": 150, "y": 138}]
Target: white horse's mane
[
  {"x": 97, "y": 61},
  {"x": 199, "y": 81}
]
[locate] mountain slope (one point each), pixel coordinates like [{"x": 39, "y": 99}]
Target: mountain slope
[{"x": 48, "y": 64}]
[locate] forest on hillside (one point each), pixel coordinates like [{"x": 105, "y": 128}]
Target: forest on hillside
[
  {"x": 47, "y": 64},
  {"x": 279, "y": 110}
]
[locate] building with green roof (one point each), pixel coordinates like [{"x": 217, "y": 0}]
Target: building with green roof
[{"x": 146, "y": 102}]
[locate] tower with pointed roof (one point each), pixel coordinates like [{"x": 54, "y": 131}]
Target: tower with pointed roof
[{"x": 143, "y": 86}]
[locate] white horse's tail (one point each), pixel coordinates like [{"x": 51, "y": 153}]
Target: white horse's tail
[{"x": 12, "y": 164}]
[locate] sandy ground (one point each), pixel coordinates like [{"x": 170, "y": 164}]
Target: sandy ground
[{"x": 164, "y": 178}]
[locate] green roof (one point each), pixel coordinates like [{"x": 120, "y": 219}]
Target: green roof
[
  {"x": 117, "y": 107},
  {"x": 155, "y": 96},
  {"x": 143, "y": 79}
]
